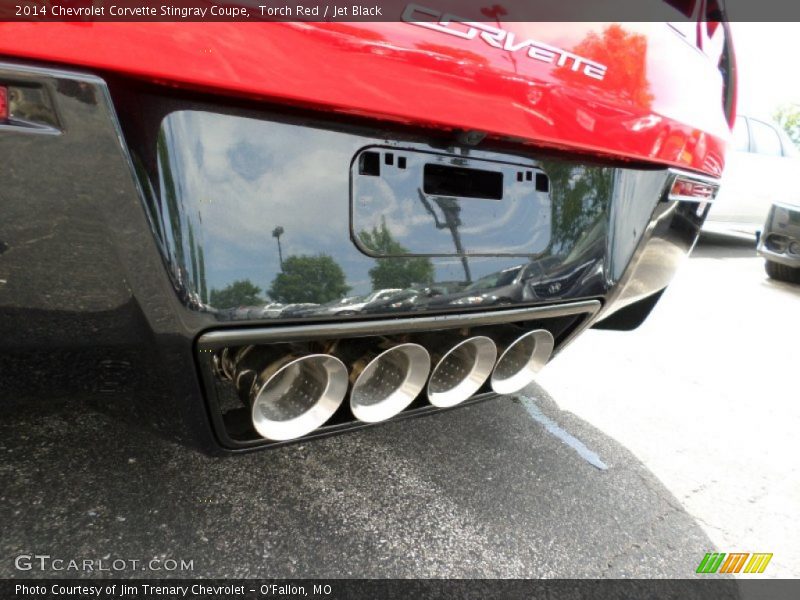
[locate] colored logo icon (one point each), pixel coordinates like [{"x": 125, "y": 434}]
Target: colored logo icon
[{"x": 741, "y": 562}]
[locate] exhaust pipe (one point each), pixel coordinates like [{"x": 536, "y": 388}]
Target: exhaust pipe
[
  {"x": 387, "y": 382},
  {"x": 223, "y": 364},
  {"x": 462, "y": 367},
  {"x": 289, "y": 395},
  {"x": 520, "y": 359}
]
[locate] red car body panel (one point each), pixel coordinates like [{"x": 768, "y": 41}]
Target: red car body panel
[{"x": 660, "y": 101}]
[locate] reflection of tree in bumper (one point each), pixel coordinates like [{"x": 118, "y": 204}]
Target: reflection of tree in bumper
[
  {"x": 580, "y": 197},
  {"x": 315, "y": 279},
  {"x": 396, "y": 272},
  {"x": 239, "y": 293}
]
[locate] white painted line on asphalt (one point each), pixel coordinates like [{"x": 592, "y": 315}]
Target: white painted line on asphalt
[{"x": 565, "y": 436}]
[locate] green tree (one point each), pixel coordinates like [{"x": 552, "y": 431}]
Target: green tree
[
  {"x": 240, "y": 293},
  {"x": 395, "y": 272},
  {"x": 788, "y": 116},
  {"x": 317, "y": 279}
]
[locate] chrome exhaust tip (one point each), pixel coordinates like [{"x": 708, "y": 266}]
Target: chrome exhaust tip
[
  {"x": 296, "y": 394},
  {"x": 521, "y": 360},
  {"x": 289, "y": 393},
  {"x": 389, "y": 382},
  {"x": 461, "y": 371}
]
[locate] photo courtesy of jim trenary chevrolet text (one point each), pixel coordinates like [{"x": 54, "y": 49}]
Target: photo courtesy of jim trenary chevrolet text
[
  {"x": 166, "y": 590},
  {"x": 399, "y": 298}
]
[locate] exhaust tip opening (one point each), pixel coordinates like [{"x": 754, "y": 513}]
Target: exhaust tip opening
[
  {"x": 462, "y": 371},
  {"x": 390, "y": 382},
  {"x": 521, "y": 361},
  {"x": 299, "y": 397},
  {"x": 224, "y": 364}
]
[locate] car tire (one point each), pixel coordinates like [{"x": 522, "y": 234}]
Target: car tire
[{"x": 782, "y": 272}]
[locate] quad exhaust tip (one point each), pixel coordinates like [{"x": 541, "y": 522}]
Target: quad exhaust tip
[
  {"x": 295, "y": 395},
  {"x": 291, "y": 394},
  {"x": 461, "y": 371},
  {"x": 521, "y": 360},
  {"x": 389, "y": 382}
]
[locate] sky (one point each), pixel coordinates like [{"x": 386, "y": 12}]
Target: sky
[{"x": 765, "y": 58}]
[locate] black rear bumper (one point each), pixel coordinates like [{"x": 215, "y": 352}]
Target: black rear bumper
[{"x": 126, "y": 223}]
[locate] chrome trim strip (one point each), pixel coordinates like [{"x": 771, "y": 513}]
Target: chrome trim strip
[{"x": 214, "y": 340}]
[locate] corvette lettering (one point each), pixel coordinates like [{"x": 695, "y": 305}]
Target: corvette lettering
[{"x": 500, "y": 39}]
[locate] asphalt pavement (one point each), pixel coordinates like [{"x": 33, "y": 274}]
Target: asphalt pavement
[
  {"x": 705, "y": 394},
  {"x": 634, "y": 455}
]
